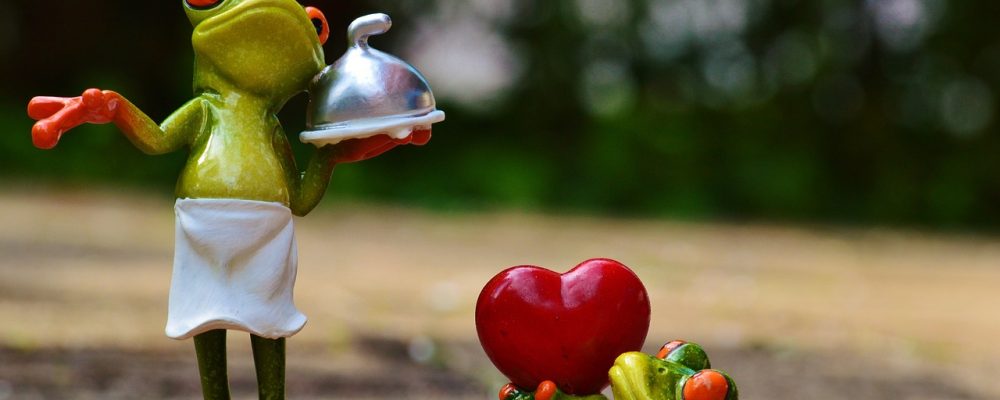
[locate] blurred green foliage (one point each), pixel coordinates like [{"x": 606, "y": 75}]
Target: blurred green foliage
[{"x": 875, "y": 112}]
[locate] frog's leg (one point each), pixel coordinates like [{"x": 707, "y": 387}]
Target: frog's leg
[
  {"x": 211, "y": 349},
  {"x": 269, "y": 360},
  {"x": 685, "y": 353}
]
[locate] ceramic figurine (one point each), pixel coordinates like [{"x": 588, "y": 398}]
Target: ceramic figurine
[
  {"x": 235, "y": 255},
  {"x": 679, "y": 371},
  {"x": 564, "y": 336}
]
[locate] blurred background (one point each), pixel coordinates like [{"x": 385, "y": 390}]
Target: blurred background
[{"x": 808, "y": 188}]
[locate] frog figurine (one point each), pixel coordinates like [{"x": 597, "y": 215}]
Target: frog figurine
[
  {"x": 235, "y": 253},
  {"x": 679, "y": 371}
]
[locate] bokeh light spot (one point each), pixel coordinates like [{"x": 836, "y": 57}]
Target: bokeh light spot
[
  {"x": 603, "y": 12},
  {"x": 468, "y": 61},
  {"x": 966, "y": 106},
  {"x": 904, "y": 24},
  {"x": 731, "y": 69},
  {"x": 608, "y": 88},
  {"x": 791, "y": 60}
]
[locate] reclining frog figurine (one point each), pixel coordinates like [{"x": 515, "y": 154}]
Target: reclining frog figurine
[{"x": 679, "y": 371}]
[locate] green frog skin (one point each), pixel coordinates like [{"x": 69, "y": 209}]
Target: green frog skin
[
  {"x": 251, "y": 57},
  {"x": 680, "y": 371}
]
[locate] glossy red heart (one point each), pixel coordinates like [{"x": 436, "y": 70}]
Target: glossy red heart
[{"x": 538, "y": 325}]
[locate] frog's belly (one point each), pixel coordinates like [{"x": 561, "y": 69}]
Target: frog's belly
[{"x": 246, "y": 171}]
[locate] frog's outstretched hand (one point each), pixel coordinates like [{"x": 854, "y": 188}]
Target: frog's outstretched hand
[
  {"x": 680, "y": 371},
  {"x": 56, "y": 115}
]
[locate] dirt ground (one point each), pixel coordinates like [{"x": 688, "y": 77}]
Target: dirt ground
[{"x": 790, "y": 313}]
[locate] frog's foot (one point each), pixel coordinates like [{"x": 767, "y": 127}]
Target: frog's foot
[
  {"x": 687, "y": 354},
  {"x": 56, "y": 115},
  {"x": 546, "y": 390}
]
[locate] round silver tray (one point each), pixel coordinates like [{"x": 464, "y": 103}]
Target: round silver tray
[{"x": 396, "y": 127}]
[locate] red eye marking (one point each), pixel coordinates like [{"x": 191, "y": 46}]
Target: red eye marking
[
  {"x": 706, "y": 385},
  {"x": 545, "y": 391},
  {"x": 507, "y": 390},
  {"x": 319, "y": 21},
  {"x": 203, "y": 3},
  {"x": 669, "y": 348}
]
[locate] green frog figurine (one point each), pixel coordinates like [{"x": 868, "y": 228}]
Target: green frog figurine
[
  {"x": 679, "y": 371},
  {"x": 235, "y": 255}
]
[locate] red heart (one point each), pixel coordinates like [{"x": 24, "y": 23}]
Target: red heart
[{"x": 538, "y": 325}]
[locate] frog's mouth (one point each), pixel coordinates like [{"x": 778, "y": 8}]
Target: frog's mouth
[{"x": 628, "y": 377}]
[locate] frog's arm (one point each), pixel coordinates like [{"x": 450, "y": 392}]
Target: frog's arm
[
  {"x": 308, "y": 188},
  {"x": 177, "y": 130},
  {"x": 56, "y": 115}
]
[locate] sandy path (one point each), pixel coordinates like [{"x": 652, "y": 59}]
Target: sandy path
[{"x": 85, "y": 270}]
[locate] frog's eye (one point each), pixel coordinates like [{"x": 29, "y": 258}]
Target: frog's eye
[
  {"x": 319, "y": 21},
  {"x": 507, "y": 390},
  {"x": 669, "y": 348},
  {"x": 706, "y": 385},
  {"x": 203, "y": 4}
]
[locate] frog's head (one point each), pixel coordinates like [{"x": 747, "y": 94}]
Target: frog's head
[
  {"x": 271, "y": 48},
  {"x": 679, "y": 372}
]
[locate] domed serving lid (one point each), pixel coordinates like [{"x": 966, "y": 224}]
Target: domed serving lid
[{"x": 367, "y": 92}]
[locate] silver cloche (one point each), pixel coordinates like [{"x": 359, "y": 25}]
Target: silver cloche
[{"x": 367, "y": 92}]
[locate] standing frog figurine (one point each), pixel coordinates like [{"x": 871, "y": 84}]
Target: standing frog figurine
[{"x": 235, "y": 256}]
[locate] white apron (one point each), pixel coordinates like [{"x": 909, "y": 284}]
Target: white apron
[{"x": 234, "y": 268}]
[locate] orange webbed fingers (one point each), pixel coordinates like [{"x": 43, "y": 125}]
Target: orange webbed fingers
[
  {"x": 46, "y": 133},
  {"x": 56, "y": 115},
  {"x": 42, "y": 107}
]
